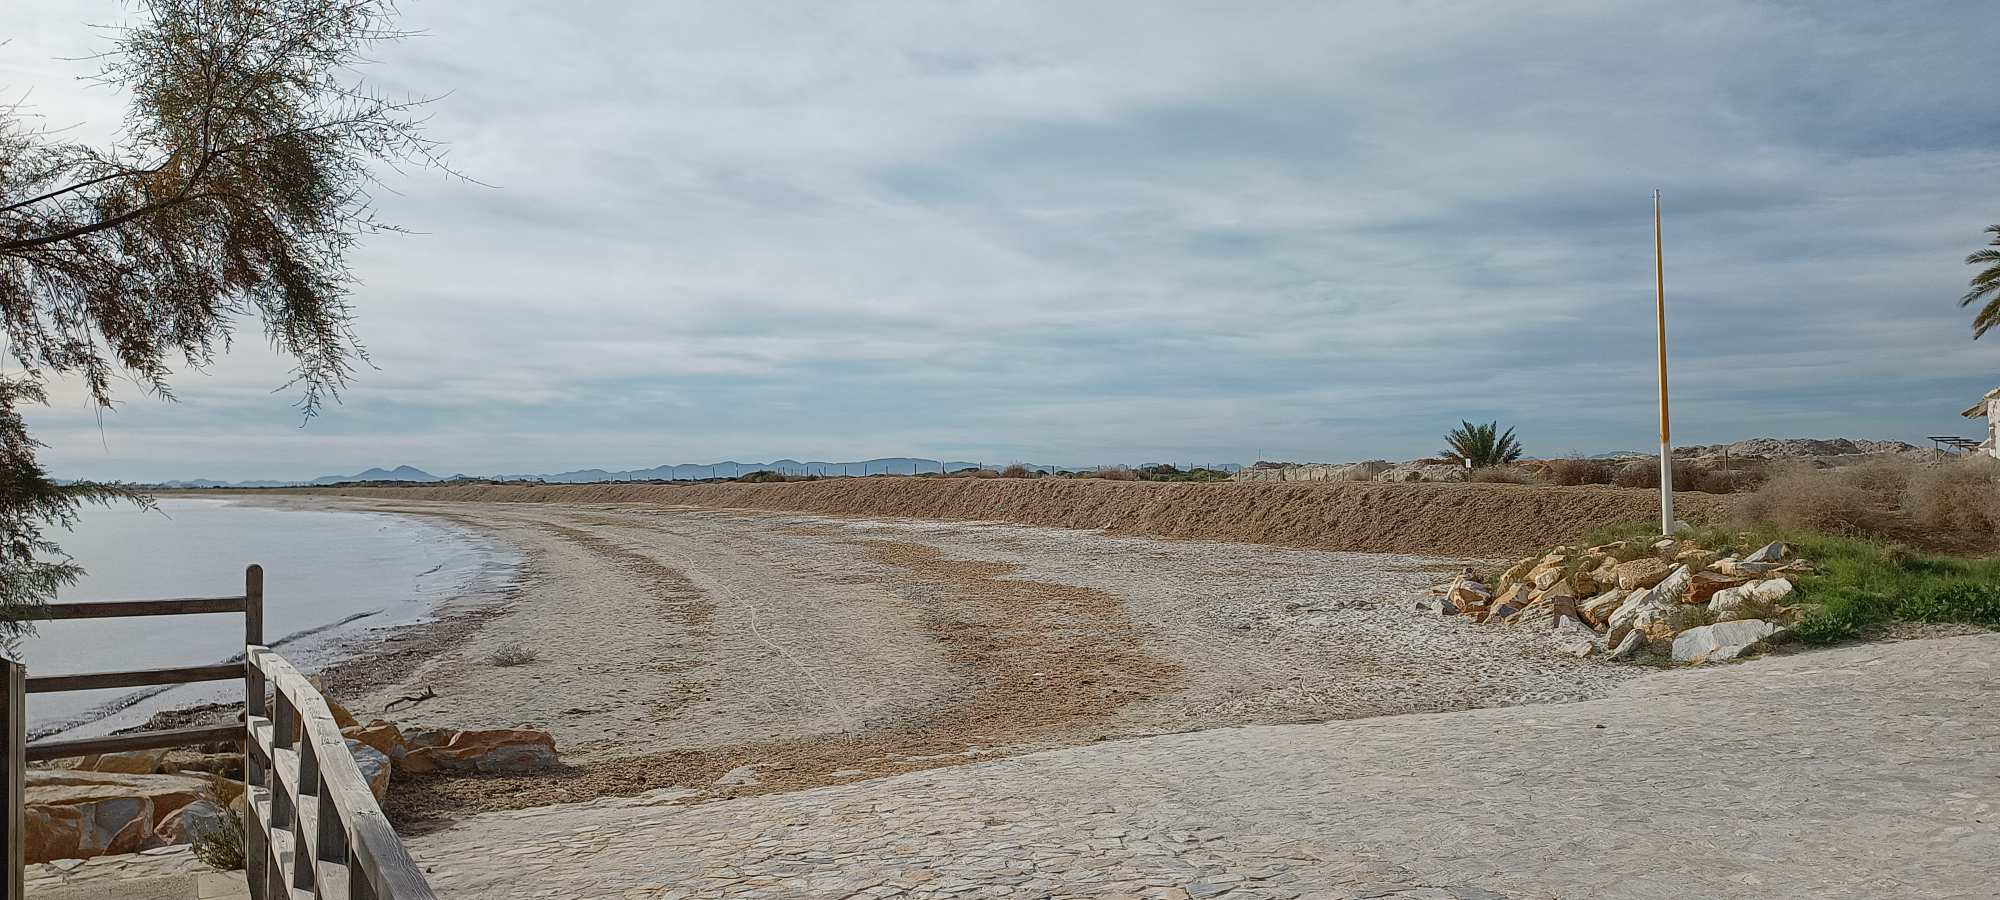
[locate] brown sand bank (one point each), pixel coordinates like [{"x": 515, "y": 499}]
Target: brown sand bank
[{"x": 1456, "y": 519}]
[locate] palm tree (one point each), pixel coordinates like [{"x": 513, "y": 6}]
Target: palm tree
[
  {"x": 1484, "y": 444},
  {"x": 1985, "y": 285}
]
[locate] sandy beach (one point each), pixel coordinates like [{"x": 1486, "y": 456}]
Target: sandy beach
[{"x": 675, "y": 645}]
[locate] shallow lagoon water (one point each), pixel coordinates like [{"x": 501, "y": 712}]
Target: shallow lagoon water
[{"x": 332, "y": 582}]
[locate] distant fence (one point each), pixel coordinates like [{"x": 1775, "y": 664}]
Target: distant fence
[{"x": 311, "y": 825}]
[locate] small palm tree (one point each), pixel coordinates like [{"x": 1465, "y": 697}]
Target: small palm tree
[
  {"x": 1484, "y": 444},
  {"x": 1985, "y": 285}
]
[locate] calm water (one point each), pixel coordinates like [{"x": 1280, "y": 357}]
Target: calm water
[{"x": 332, "y": 580}]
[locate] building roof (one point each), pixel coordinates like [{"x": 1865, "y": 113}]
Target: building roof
[{"x": 1978, "y": 410}]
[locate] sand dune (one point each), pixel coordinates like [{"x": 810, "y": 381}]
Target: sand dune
[{"x": 1457, "y": 519}]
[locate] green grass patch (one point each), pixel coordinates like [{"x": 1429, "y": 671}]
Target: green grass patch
[{"x": 1861, "y": 582}]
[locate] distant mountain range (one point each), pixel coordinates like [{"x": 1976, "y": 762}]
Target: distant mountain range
[{"x": 893, "y": 465}]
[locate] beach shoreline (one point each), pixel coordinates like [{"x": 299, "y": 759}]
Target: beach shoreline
[{"x": 676, "y": 648}]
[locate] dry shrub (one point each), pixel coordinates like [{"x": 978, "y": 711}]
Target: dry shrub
[
  {"x": 1117, "y": 473},
  {"x": 1720, "y": 481},
  {"x": 221, "y": 846},
  {"x": 1498, "y": 475},
  {"x": 1830, "y": 501},
  {"x": 1961, "y": 497},
  {"x": 1576, "y": 471},
  {"x": 1016, "y": 471},
  {"x": 513, "y": 655},
  {"x": 1639, "y": 473}
]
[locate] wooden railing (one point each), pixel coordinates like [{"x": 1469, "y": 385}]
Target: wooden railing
[
  {"x": 315, "y": 827},
  {"x": 13, "y": 790},
  {"x": 312, "y": 829},
  {"x": 250, "y": 604}
]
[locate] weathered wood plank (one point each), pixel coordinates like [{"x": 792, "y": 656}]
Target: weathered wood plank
[
  {"x": 376, "y": 855},
  {"x": 13, "y": 794},
  {"x": 144, "y": 740},
  {"x": 45, "y": 684},
  {"x": 120, "y": 609}
]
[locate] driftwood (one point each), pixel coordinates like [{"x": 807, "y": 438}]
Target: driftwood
[{"x": 412, "y": 699}]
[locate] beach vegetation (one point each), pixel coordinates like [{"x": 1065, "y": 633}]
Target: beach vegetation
[
  {"x": 1484, "y": 446},
  {"x": 235, "y": 190}
]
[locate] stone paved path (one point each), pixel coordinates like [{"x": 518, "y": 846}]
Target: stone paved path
[{"x": 1871, "y": 771}]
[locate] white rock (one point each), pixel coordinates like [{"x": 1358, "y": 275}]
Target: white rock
[
  {"x": 1755, "y": 600},
  {"x": 1723, "y": 640},
  {"x": 1628, "y": 646},
  {"x": 1655, "y": 603},
  {"x": 738, "y": 777},
  {"x": 1574, "y": 639},
  {"x": 1775, "y": 551}
]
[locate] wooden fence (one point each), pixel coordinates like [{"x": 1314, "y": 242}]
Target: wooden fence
[{"x": 311, "y": 827}]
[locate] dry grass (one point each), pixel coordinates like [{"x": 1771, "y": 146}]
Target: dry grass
[
  {"x": 1962, "y": 497},
  {"x": 1116, "y": 473},
  {"x": 1017, "y": 471},
  {"x": 513, "y": 655},
  {"x": 1639, "y": 473},
  {"x": 1576, "y": 471},
  {"x": 1827, "y": 501},
  {"x": 1498, "y": 475}
]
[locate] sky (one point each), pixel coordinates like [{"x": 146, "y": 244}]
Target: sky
[{"x": 1116, "y": 232}]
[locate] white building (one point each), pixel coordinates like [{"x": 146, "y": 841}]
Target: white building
[{"x": 1988, "y": 408}]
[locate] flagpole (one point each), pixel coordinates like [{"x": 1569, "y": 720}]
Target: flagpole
[{"x": 1666, "y": 434}]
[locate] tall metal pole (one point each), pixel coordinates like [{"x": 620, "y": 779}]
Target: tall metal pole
[{"x": 1666, "y": 433}]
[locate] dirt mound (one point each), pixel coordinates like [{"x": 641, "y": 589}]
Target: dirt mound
[{"x": 1445, "y": 519}]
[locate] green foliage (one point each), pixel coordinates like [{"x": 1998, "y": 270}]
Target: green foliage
[
  {"x": 1166, "y": 472},
  {"x": 221, "y": 846},
  {"x": 1985, "y": 285},
  {"x": 1860, "y": 582},
  {"x": 1484, "y": 445},
  {"x": 235, "y": 189},
  {"x": 32, "y": 567}
]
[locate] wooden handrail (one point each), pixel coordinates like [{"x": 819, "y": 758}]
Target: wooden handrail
[
  {"x": 313, "y": 821},
  {"x": 13, "y": 799},
  {"x": 92, "y": 681},
  {"x": 123, "y": 609}
]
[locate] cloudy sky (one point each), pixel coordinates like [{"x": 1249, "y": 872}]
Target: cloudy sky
[{"x": 1084, "y": 232}]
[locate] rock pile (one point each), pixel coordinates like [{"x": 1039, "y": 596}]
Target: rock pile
[
  {"x": 1613, "y": 600},
  {"x": 142, "y": 799}
]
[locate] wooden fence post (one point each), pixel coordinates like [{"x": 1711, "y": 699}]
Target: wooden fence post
[
  {"x": 14, "y": 720},
  {"x": 256, "y": 853}
]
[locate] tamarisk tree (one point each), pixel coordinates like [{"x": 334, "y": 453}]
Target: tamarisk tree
[{"x": 232, "y": 194}]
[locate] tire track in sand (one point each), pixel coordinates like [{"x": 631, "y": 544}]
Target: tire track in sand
[{"x": 1048, "y": 665}]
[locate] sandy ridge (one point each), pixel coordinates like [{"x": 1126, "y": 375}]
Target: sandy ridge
[{"x": 1455, "y": 519}]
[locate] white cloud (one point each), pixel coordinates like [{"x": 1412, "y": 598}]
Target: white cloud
[{"x": 1124, "y": 230}]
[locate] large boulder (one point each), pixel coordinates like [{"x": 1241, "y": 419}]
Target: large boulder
[
  {"x": 1573, "y": 638},
  {"x": 1708, "y": 584},
  {"x": 1597, "y": 610},
  {"x": 1774, "y": 552},
  {"x": 184, "y": 825},
  {"x": 129, "y": 762},
  {"x": 1658, "y": 613},
  {"x": 374, "y": 766},
  {"x": 1641, "y": 573},
  {"x": 507, "y": 750},
  {"x": 1736, "y": 568},
  {"x": 380, "y": 734},
  {"x": 1754, "y": 600},
  {"x": 1467, "y": 596},
  {"x": 1724, "y": 640},
  {"x": 77, "y": 815}
]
